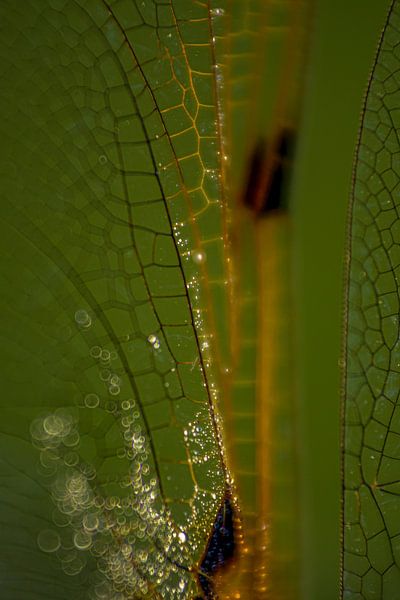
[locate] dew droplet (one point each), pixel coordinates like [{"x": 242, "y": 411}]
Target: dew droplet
[
  {"x": 72, "y": 439},
  {"x": 91, "y": 400},
  {"x": 95, "y": 351},
  {"x": 105, "y": 374},
  {"x": 82, "y": 318},
  {"x": 102, "y": 159},
  {"x": 90, "y": 522},
  {"x": 71, "y": 459},
  {"x": 61, "y": 519},
  {"x": 73, "y": 566},
  {"x": 48, "y": 540},
  {"x": 182, "y": 536},
  {"x": 53, "y": 425},
  {"x": 111, "y": 406},
  {"x": 82, "y": 540},
  {"x": 198, "y": 256},
  {"x": 154, "y": 341},
  {"x": 115, "y": 380},
  {"x": 105, "y": 355},
  {"x": 217, "y": 12}
]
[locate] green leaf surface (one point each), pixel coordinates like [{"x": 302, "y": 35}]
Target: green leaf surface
[{"x": 371, "y": 527}]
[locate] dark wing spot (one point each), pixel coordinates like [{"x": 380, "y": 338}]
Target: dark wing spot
[
  {"x": 253, "y": 179},
  {"x": 220, "y": 549},
  {"x": 269, "y": 173},
  {"x": 276, "y": 194}
]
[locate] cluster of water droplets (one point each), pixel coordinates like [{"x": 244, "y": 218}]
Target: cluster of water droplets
[
  {"x": 152, "y": 549},
  {"x": 180, "y": 238},
  {"x": 197, "y": 435},
  {"x": 154, "y": 341},
  {"x": 68, "y": 480},
  {"x": 56, "y": 437},
  {"x": 217, "y": 12},
  {"x": 216, "y": 15},
  {"x": 104, "y": 358},
  {"x": 131, "y": 535}
]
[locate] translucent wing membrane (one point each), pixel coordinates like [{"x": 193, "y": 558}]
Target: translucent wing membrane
[
  {"x": 146, "y": 293},
  {"x": 110, "y": 204},
  {"x": 371, "y": 526}
]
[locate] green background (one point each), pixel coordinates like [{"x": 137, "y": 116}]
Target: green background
[{"x": 343, "y": 44}]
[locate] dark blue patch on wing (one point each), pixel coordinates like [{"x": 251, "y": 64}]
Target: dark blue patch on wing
[{"x": 220, "y": 549}]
